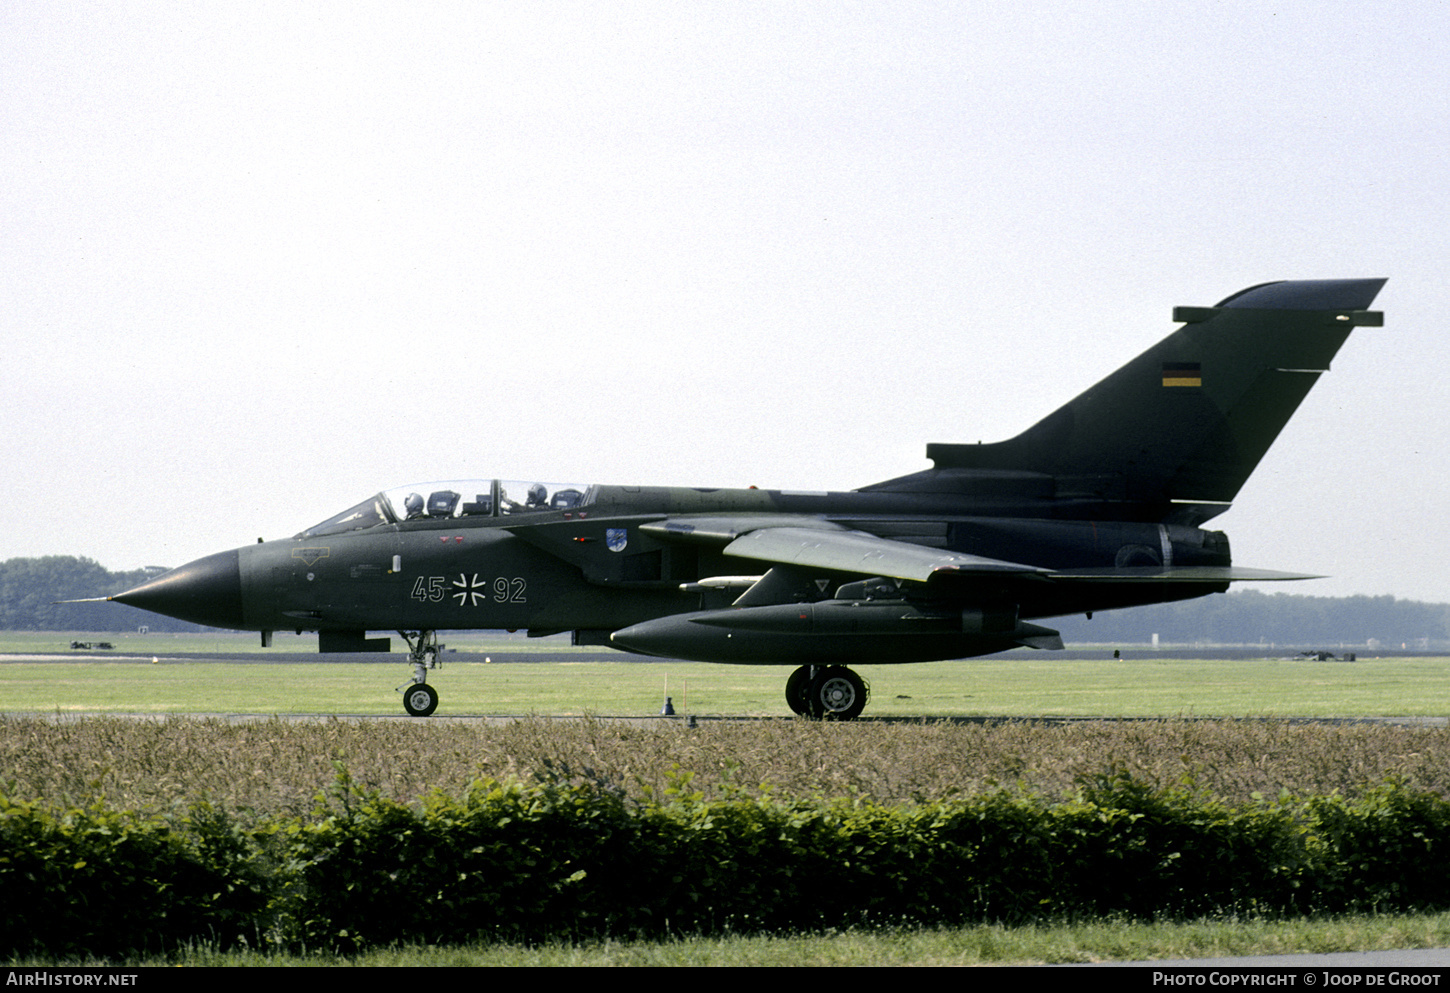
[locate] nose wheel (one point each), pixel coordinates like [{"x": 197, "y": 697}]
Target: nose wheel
[{"x": 420, "y": 699}]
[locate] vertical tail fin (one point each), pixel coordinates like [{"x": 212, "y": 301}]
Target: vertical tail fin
[{"x": 1187, "y": 421}]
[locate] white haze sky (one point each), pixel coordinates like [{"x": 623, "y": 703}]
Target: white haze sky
[{"x": 260, "y": 260}]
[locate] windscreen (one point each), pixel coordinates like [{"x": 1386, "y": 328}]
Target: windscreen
[{"x": 454, "y": 499}]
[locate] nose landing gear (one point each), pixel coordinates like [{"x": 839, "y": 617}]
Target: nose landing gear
[{"x": 420, "y": 699}]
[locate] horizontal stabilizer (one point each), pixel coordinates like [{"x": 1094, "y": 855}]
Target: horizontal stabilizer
[
  {"x": 1178, "y": 574},
  {"x": 1039, "y": 637}
]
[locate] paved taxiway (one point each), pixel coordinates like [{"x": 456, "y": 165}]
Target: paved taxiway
[
  {"x": 1400, "y": 958},
  {"x": 271, "y": 657}
]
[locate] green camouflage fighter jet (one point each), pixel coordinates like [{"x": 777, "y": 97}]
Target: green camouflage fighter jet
[{"x": 1098, "y": 506}]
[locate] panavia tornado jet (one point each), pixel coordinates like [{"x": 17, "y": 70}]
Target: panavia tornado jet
[{"x": 1100, "y": 505}]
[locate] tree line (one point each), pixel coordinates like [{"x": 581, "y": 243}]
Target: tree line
[
  {"x": 1251, "y": 617},
  {"x": 30, "y": 587}
]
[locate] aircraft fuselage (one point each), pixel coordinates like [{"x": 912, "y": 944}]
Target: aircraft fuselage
[{"x": 601, "y": 568}]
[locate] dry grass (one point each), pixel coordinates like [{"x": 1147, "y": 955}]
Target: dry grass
[{"x": 279, "y": 766}]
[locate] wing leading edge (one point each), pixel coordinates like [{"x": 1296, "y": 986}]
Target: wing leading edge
[{"x": 863, "y": 554}]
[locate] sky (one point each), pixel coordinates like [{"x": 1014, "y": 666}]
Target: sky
[{"x": 261, "y": 260}]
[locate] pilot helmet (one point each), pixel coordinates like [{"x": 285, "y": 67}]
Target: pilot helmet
[
  {"x": 413, "y": 505},
  {"x": 538, "y": 496}
]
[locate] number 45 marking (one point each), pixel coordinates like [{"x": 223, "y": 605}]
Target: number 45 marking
[{"x": 428, "y": 589}]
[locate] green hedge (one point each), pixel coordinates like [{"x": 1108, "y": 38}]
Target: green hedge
[
  {"x": 570, "y": 859},
  {"x": 104, "y": 882}
]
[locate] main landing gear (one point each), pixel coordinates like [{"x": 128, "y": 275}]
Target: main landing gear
[
  {"x": 832, "y": 693},
  {"x": 420, "y": 699}
]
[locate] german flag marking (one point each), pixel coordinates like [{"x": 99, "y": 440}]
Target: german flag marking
[{"x": 1182, "y": 374}]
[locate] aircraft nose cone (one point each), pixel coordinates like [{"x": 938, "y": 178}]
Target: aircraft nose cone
[{"x": 207, "y": 591}]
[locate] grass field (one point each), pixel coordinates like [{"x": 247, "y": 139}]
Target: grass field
[
  {"x": 276, "y": 766},
  {"x": 272, "y": 765},
  {"x": 1038, "y": 684},
  {"x": 1087, "y": 941}
]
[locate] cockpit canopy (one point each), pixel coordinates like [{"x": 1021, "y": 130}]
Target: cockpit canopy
[{"x": 454, "y": 499}]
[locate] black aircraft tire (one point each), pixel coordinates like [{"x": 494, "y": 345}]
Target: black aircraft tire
[
  {"x": 838, "y": 694},
  {"x": 798, "y": 691},
  {"x": 420, "y": 700}
]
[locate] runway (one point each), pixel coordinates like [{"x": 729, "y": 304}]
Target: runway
[{"x": 504, "y": 656}]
